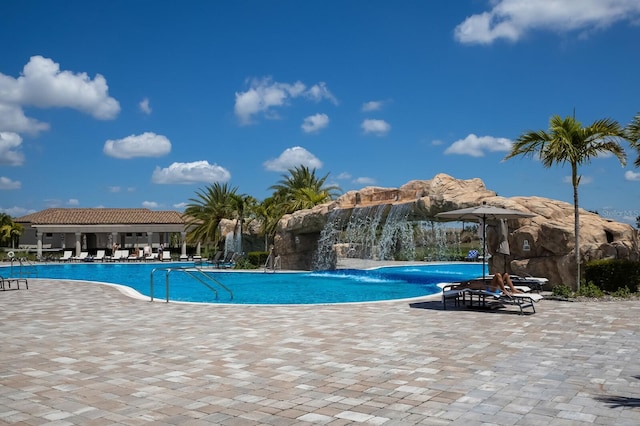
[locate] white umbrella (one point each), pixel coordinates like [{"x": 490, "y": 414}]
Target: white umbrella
[{"x": 482, "y": 214}]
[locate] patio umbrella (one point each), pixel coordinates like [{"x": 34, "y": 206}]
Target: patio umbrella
[{"x": 482, "y": 214}]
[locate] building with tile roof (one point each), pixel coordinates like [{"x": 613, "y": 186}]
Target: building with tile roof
[{"x": 90, "y": 229}]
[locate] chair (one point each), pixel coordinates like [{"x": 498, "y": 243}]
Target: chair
[
  {"x": 66, "y": 256},
  {"x": 485, "y": 298},
  {"x": 99, "y": 255},
  {"x": 135, "y": 255},
  {"x": 166, "y": 255},
  {"x": 472, "y": 256},
  {"x": 229, "y": 260},
  {"x": 6, "y": 283},
  {"x": 83, "y": 256}
]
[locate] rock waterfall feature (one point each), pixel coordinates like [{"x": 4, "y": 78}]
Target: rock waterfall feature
[{"x": 389, "y": 223}]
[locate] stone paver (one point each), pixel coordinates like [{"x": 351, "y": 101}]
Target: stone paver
[{"x": 82, "y": 353}]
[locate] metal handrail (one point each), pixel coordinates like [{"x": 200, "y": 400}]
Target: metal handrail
[
  {"x": 192, "y": 273},
  {"x": 23, "y": 267}
]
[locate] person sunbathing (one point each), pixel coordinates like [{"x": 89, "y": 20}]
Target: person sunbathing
[{"x": 498, "y": 283}]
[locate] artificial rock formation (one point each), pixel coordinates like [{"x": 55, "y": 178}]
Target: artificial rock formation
[{"x": 540, "y": 246}]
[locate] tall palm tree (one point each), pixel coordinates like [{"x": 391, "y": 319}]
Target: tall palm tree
[
  {"x": 567, "y": 142},
  {"x": 633, "y": 136},
  {"x": 301, "y": 188},
  {"x": 10, "y": 231},
  {"x": 204, "y": 213}
]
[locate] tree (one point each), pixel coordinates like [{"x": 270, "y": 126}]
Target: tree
[
  {"x": 302, "y": 189},
  {"x": 633, "y": 136},
  {"x": 10, "y": 231},
  {"x": 567, "y": 142},
  {"x": 204, "y": 213}
]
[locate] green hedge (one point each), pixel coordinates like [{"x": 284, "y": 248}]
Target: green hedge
[
  {"x": 257, "y": 258},
  {"x": 612, "y": 275}
]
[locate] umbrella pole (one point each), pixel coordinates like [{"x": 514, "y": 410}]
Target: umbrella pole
[{"x": 484, "y": 244}]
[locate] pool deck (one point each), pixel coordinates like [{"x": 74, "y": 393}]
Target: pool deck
[{"x": 74, "y": 353}]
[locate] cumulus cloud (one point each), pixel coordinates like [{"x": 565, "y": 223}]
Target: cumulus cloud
[
  {"x": 315, "y": 123},
  {"x": 144, "y": 106},
  {"x": 147, "y": 144},
  {"x": 293, "y": 157},
  {"x": 363, "y": 180},
  {"x": 12, "y": 119},
  {"x": 476, "y": 146},
  {"x": 512, "y": 19},
  {"x": 73, "y": 202},
  {"x": 265, "y": 95},
  {"x": 10, "y": 154},
  {"x": 583, "y": 179},
  {"x": 150, "y": 204},
  {"x": 7, "y": 184},
  {"x": 16, "y": 211},
  {"x": 185, "y": 173},
  {"x": 344, "y": 175},
  {"x": 376, "y": 127},
  {"x": 180, "y": 206},
  {"x": 372, "y": 106},
  {"x": 631, "y": 175}
]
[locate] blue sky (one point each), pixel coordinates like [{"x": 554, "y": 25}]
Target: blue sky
[{"x": 143, "y": 103}]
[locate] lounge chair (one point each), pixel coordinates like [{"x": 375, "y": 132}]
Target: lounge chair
[
  {"x": 151, "y": 256},
  {"x": 166, "y": 255},
  {"x": 135, "y": 255},
  {"x": 229, "y": 260},
  {"x": 82, "y": 257},
  {"x": 464, "y": 293},
  {"x": 99, "y": 255},
  {"x": 66, "y": 256},
  {"x": 7, "y": 283},
  {"x": 121, "y": 255}
]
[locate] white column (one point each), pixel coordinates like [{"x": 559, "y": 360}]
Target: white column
[
  {"x": 39, "y": 244},
  {"x": 183, "y": 235},
  {"x": 198, "y": 247},
  {"x": 150, "y": 240},
  {"x": 78, "y": 243}
]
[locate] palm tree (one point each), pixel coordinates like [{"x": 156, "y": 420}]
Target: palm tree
[
  {"x": 633, "y": 136},
  {"x": 204, "y": 213},
  {"x": 10, "y": 231},
  {"x": 567, "y": 141},
  {"x": 301, "y": 189}
]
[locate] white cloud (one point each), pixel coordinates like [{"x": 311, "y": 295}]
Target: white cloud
[
  {"x": 10, "y": 154},
  {"x": 631, "y": 175},
  {"x": 293, "y": 157},
  {"x": 147, "y": 144},
  {"x": 114, "y": 189},
  {"x": 319, "y": 92},
  {"x": 6, "y": 183},
  {"x": 144, "y": 106},
  {"x": 12, "y": 119},
  {"x": 512, "y": 19},
  {"x": 315, "y": 123},
  {"x": 185, "y": 173},
  {"x": 343, "y": 176},
  {"x": 372, "y": 106},
  {"x": 150, "y": 204},
  {"x": 265, "y": 95},
  {"x": 16, "y": 211},
  {"x": 476, "y": 146},
  {"x": 73, "y": 202},
  {"x": 377, "y": 127},
  {"x": 584, "y": 180},
  {"x": 180, "y": 206},
  {"x": 364, "y": 181}
]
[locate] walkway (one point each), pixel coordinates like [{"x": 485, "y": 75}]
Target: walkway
[{"x": 78, "y": 353}]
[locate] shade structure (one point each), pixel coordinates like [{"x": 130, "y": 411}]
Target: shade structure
[{"x": 482, "y": 214}]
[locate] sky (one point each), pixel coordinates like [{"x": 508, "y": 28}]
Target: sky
[{"x": 144, "y": 103}]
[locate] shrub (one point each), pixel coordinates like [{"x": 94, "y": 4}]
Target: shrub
[
  {"x": 257, "y": 258},
  {"x": 610, "y": 275},
  {"x": 244, "y": 263},
  {"x": 590, "y": 290},
  {"x": 562, "y": 290}
]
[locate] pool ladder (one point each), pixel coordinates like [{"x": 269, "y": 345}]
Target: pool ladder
[
  {"x": 203, "y": 278},
  {"x": 26, "y": 268}
]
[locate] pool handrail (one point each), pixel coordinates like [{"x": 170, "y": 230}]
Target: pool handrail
[{"x": 190, "y": 271}]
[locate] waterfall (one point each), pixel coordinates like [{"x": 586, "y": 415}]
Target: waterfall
[{"x": 383, "y": 232}]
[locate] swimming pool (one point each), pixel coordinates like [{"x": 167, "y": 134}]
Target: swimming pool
[{"x": 339, "y": 286}]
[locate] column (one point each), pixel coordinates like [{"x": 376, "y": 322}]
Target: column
[
  {"x": 39, "y": 244},
  {"x": 198, "y": 247},
  {"x": 78, "y": 243},
  {"x": 183, "y": 236},
  {"x": 150, "y": 240}
]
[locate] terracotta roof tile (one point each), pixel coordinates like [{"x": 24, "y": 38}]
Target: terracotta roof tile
[{"x": 101, "y": 216}]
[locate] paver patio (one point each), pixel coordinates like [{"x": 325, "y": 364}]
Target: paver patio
[{"x": 81, "y": 353}]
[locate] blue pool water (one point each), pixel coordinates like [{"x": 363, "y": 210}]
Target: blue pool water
[{"x": 340, "y": 286}]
